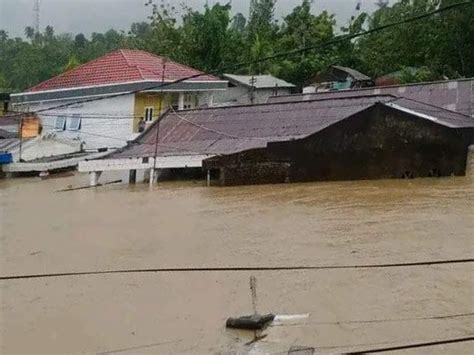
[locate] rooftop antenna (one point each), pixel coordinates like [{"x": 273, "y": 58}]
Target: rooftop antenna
[{"x": 36, "y": 11}]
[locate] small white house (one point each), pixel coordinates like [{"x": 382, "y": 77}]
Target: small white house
[
  {"x": 251, "y": 89},
  {"x": 101, "y": 103}
]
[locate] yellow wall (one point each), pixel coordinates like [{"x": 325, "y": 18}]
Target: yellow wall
[{"x": 143, "y": 100}]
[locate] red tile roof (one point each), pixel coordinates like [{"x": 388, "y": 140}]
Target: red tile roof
[{"x": 121, "y": 66}]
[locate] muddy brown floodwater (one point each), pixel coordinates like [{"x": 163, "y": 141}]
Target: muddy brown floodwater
[{"x": 184, "y": 224}]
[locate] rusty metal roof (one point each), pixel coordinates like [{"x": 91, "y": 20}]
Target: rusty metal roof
[
  {"x": 228, "y": 130},
  {"x": 433, "y": 113},
  {"x": 454, "y": 95}
]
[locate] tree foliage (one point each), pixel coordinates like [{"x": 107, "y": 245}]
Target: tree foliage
[{"x": 212, "y": 39}]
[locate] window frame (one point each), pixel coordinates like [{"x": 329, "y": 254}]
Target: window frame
[
  {"x": 71, "y": 120},
  {"x": 56, "y": 126},
  {"x": 146, "y": 114},
  {"x": 189, "y": 101}
]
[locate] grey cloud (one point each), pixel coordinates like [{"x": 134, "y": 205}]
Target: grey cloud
[{"x": 87, "y": 16}]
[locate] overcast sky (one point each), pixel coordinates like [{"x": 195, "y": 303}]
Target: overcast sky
[{"x": 89, "y": 16}]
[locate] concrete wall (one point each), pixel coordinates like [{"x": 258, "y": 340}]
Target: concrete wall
[
  {"x": 105, "y": 123},
  {"x": 241, "y": 95},
  {"x": 377, "y": 143}
]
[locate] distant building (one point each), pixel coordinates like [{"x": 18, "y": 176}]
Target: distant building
[
  {"x": 453, "y": 95},
  {"x": 360, "y": 137},
  {"x": 91, "y": 103},
  {"x": 248, "y": 89},
  {"x": 338, "y": 78}
]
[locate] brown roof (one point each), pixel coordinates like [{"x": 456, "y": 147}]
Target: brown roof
[
  {"x": 229, "y": 130},
  {"x": 454, "y": 95}
]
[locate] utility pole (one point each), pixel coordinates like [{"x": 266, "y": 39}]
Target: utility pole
[
  {"x": 252, "y": 82},
  {"x": 36, "y": 11},
  {"x": 20, "y": 135},
  {"x": 152, "y": 172}
]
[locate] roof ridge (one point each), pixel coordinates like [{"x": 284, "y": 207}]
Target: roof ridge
[
  {"x": 72, "y": 70},
  {"x": 176, "y": 63},
  {"x": 431, "y": 105},
  {"x": 380, "y": 87},
  {"x": 121, "y": 50},
  {"x": 288, "y": 102}
]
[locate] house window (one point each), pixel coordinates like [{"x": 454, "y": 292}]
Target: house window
[
  {"x": 189, "y": 101},
  {"x": 60, "y": 124},
  {"x": 148, "y": 114},
  {"x": 74, "y": 123}
]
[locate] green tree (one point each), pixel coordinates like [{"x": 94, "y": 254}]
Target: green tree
[{"x": 302, "y": 29}]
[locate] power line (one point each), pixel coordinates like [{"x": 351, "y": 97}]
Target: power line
[
  {"x": 392, "y": 320},
  {"x": 412, "y": 346},
  {"x": 240, "y": 269},
  {"x": 336, "y": 40}
]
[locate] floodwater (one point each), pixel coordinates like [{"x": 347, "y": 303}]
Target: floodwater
[{"x": 184, "y": 224}]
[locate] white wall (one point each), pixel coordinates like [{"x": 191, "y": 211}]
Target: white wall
[{"x": 105, "y": 123}]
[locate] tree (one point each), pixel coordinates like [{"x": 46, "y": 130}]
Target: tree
[
  {"x": 205, "y": 37},
  {"x": 302, "y": 29},
  {"x": 239, "y": 22},
  {"x": 261, "y": 19},
  {"x": 29, "y": 32},
  {"x": 72, "y": 63}
]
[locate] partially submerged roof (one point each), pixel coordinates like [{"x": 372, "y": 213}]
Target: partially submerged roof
[
  {"x": 454, "y": 95},
  {"x": 261, "y": 81},
  {"x": 229, "y": 130}
]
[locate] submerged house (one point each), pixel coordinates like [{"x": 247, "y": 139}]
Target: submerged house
[
  {"x": 101, "y": 103},
  {"x": 361, "y": 137},
  {"x": 251, "y": 89}
]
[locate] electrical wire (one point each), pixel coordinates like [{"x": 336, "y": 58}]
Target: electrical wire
[
  {"x": 336, "y": 40},
  {"x": 412, "y": 346},
  {"x": 241, "y": 269}
]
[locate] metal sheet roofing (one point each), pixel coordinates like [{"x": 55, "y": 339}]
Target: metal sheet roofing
[
  {"x": 434, "y": 113},
  {"x": 357, "y": 75},
  {"x": 230, "y": 130},
  {"x": 234, "y": 129},
  {"x": 261, "y": 81},
  {"x": 121, "y": 66},
  {"x": 9, "y": 144},
  {"x": 454, "y": 95}
]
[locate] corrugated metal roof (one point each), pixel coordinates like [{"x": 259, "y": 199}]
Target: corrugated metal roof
[
  {"x": 7, "y": 134},
  {"x": 234, "y": 129},
  {"x": 8, "y": 144},
  {"x": 228, "y": 130},
  {"x": 357, "y": 75},
  {"x": 9, "y": 120},
  {"x": 261, "y": 81},
  {"x": 437, "y": 114},
  {"x": 454, "y": 95}
]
